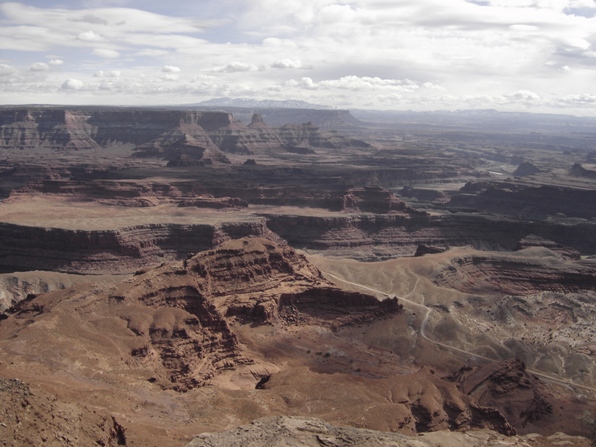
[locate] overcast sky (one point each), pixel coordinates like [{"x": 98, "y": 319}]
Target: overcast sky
[{"x": 529, "y": 55}]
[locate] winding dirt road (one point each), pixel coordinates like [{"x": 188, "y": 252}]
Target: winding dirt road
[{"x": 424, "y": 323}]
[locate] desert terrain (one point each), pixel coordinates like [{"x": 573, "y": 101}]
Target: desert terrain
[{"x": 230, "y": 276}]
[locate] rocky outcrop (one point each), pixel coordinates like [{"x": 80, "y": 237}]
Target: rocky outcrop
[
  {"x": 526, "y": 169},
  {"x": 519, "y": 395},
  {"x": 334, "y": 307},
  {"x": 519, "y": 273},
  {"x": 46, "y": 128},
  {"x": 536, "y": 241},
  {"x": 36, "y": 418},
  {"x": 177, "y": 316},
  {"x": 371, "y": 199},
  {"x": 208, "y": 201},
  {"x": 587, "y": 170},
  {"x": 529, "y": 202},
  {"x": 115, "y": 250},
  {"x": 411, "y": 403},
  {"x": 284, "y": 431},
  {"x": 381, "y": 236},
  {"x": 422, "y": 250},
  {"x": 184, "y": 138}
]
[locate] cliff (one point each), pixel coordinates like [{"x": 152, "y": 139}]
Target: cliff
[
  {"x": 116, "y": 250},
  {"x": 381, "y": 236},
  {"x": 519, "y": 395},
  {"x": 311, "y": 432},
  {"x": 174, "y": 321},
  {"x": 181, "y": 137},
  {"x": 528, "y": 202},
  {"x": 521, "y": 273}
]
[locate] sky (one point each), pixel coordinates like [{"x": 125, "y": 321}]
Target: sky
[{"x": 511, "y": 55}]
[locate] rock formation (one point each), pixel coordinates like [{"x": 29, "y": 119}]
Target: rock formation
[
  {"x": 522, "y": 273},
  {"x": 529, "y": 202},
  {"x": 521, "y": 396},
  {"x": 36, "y": 418},
  {"x": 182, "y": 137},
  {"x": 309, "y": 432},
  {"x": 526, "y": 169},
  {"x": 371, "y": 199},
  {"x": 116, "y": 250},
  {"x": 176, "y": 316}
]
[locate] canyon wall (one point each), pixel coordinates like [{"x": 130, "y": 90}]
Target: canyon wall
[
  {"x": 93, "y": 128},
  {"x": 117, "y": 250},
  {"x": 379, "y": 236}
]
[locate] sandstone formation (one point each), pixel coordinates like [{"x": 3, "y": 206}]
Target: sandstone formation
[
  {"x": 525, "y": 169},
  {"x": 184, "y": 325},
  {"x": 530, "y": 202},
  {"x": 510, "y": 388},
  {"x": 115, "y": 250},
  {"x": 176, "y": 343},
  {"x": 175, "y": 317},
  {"x": 309, "y": 432},
  {"x": 523, "y": 273},
  {"x": 536, "y": 241},
  {"x": 183, "y": 138},
  {"x": 382, "y": 236},
  {"x": 36, "y": 418},
  {"x": 372, "y": 199}
]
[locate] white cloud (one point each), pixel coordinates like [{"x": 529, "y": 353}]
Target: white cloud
[
  {"x": 56, "y": 62},
  {"x": 485, "y": 53},
  {"x": 234, "y": 67},
  {"x": 151, "y": 52},
  {"x": 72, "y": 84},
  {"x": 106, "y": 53},
  {"x": 523, "y": 96},
  {"x": 431, "y": 86},
  {"x": 90, "y": 36},
  {"x": 39, "y": 66},
  {"x": 109, "y": 74},
  {"x": 287, "y": 63},
  {"x": 6, "y": 70},
  {"x": 358, "y": 83}
]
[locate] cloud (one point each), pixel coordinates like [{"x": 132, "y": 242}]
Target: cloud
[
  {"x": 287, "y": 63},
  {"x": 92, "y": 19},
  {"x": 90, "y": 36},
  {"x": 6, "y": 70},
  {"x": 110, "y": 74},
  {"x": 106, "y": 53},
  {"x": 365, "y": 83},
  {"x": 56, "y": 62},
  {"x": 580, "y": 99},
  {"x": 151, "y": 52},
  {"x": 72, "y": 84},
  {"x": 485, "y": 53},
  {"x": 39, "y": 66},
  {"x": 523, "y": 96},
  {"x": 234, "y": 67},
  {"x": 431, "y": 86}
]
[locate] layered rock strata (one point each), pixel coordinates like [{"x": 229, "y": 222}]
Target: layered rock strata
[
  {"x": 283, "y": 431},
  {"x": 522, "y": 273},
  {"x": 521, "y": 396},
  {"x": 174, "y": 320},
  {"x": 116, "y": 250},
  {"x": 182, "y": 137},
  {"x": 380, "y": 236}
]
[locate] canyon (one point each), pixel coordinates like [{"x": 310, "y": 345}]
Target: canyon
[{"x": 171, "y": 272}]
